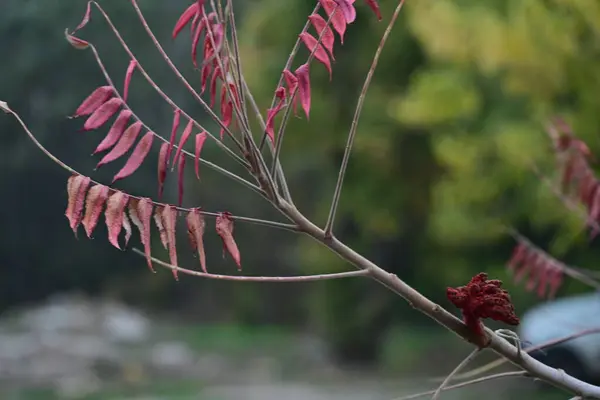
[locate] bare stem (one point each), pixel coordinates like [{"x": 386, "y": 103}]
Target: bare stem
[
  {"x": 460, "y": 366},
  {"x": 361, "y": 99},
  {"x": 277, "y": 279}
]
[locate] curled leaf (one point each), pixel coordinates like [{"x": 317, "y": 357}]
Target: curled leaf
[
  {"x": 291, "y": 81},
  {"x": 180, "y": 169},
  {"x": 158, "y": 221},
  {"x": 169, "y": 219},
  {"x": 314, "y": 47},
  {"x": 375, "y": 7},
  {"x": 94, "y": 202},
  {"x": 115, "y": 132},
  {"x": 137, "y": 157},
  {"x": 94, "y": 100},
  {"x": 185, "y": 18},
  {"x": 224, "y": 227},
  {"x": 128, "y": 74},
  {"x": 123, "y": 145},
  {"x": 280, "y": 95},
  {"x": 102, "y": 114},
  {"x": 200, "y": 139},
  {"x": 86, "y": 17},
  {"x": 115, "y": 208},
  {"x": 162, "y": 167},
  {"x": 182, "y": 141},
  {"x": 174, "y": 127},
  {"x": 74, "y": 41},
  {"x": 196, "y": 225},
  {"x": 77, "y": 186},
  {"x": 127, "y": 226},
  {"x": 303, "y": 76},
  {"x": 140, "y": 212}
]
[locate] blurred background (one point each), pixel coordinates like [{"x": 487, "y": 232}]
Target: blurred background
[{"x": 453, "y": 121}]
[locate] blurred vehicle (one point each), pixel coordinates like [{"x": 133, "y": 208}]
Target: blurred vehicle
[{"x": 579, "y": 357}]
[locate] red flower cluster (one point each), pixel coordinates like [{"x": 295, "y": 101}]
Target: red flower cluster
[{"x": 483, "y": 298}]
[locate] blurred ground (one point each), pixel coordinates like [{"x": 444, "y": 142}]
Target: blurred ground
[{"x": 75, "y": 348}]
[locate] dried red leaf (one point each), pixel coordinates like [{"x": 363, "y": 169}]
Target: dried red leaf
[
  {"x": 180, "y": 169},
  {"x": 375, "y": 7},
  {"x": 127, "y": 226},
  {"x": 169, "y": 219},
  {"x": 115, "y": 208},
  {"x": 303, "y": 76},
  {"x": 140, "y": 212},
  {"x": 185, "y": 18},
  {"x": 182, "y": 141},
  {"x": 137, "y": 157},
  {"x": 162, "y": 167},
  {"x": 280, "y": 95},
  {"x": 94, "y": 203},
  {"x": 337, "y": 19},
  {"x": 323, "y": 31},
  {"x": 158, "y": 221},
  {"x": 224, "y": 227},
  {"x": 200, "y": 139},
  {"x": 102, "y": 114},
  {"x": 132, "y": 66},
  {"x": 123, "y": 145},
  {"x": 115, "y": 132},
  {"x": 196, "y": 225},
  {"x": 319, "y": 52},
  {"x": 77, "y": 186},
  {"x": 94, "y": 100}
]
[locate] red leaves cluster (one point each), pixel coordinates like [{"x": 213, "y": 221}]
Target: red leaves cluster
[
  {"x": 215, "y": 59},
  {"x": 483, "y": 298},
  {"x": 578, "y": 179},
  {"x": 122, "y": 209},
  {"x": 544, "y": 273}
]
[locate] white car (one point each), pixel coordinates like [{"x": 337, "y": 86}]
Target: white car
[{"x": 553, "y": 320}]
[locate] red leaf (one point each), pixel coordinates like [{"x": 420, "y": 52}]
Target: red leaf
[
  {"x": 115, "y": 132},
  {"x": 185, "y": 18},
  {"x": 115, "y": 207},
  {"x": 137, "y": 157},
  {"x": 375, "y": 7},
  {"x": 169, "y": 219},
  {"x": 280, "y": 94},
  {"x": 162, "y": 167},
  {"x": 158, "y": 220},
  {"x": 94, "y": 203},
  {"x": 77, "y": 43},
  {"x": 200, "y": 139},
  {"x": 196, "y": 40},
  {"x": 322, "y": 28},
  {"x": 196, "y": 225},
  {"x": 86, "y": 18},
  {"x": 76, "y": 189},
  {"x": 184, "y": 137},
  {"x": 102, "y": 114},
  {"x": 180, "y": 169},
  {"x": 347, "y": 9},
  {"x": 291, "y": 81},
  {"x": 520, "y": 253},
  {"x": 174, "y": 128},
  {"x": 303, "y": 76},
  {"x": 123, "y": 145},
  {"x": 227, "y": 114},
  {"x": 128, "y": 75},
  {"x": 94, "y": 100},
  {"x": 320, "y": 54},
  {"x": 140, "y": 212},
  {"x": 127, "y": 226},
  {"x": 206, "y": 68},
  {"x": 224, "y": 227},
  {"x": 213, "y": 85},
  {"x": 337, "y": 20}
]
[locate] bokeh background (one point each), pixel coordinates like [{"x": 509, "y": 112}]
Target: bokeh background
[{"x": 454, "y": 119}]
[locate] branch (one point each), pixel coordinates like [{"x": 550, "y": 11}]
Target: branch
[
  {"x": 460, "y": 366},
  {"x": 352, "y": 133},
  {"x": 278, "y": 279}
]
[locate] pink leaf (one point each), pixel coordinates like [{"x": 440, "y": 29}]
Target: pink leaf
[
  {"x": 200, "y": 139},
  {"x": 213, "y": 85},
  {"x": 196, "y": 225},
  {"x": 314, "y": 47},
  {"x": 86, "y": 18},
  {"x": 115, "y": 207},
  {"x": 180, "y": 169},
  {"x": 185, "y": 18},
  {"x": 140, "y": 212},
  {"x": 291, "y": 81},
  {"x": 347, "y": 9},
  {"x": 102, "y": 114},
  {"x": 123, "y": 145},
  {"x": 162, "y": 167},
  {"x": 94, "y": 203},
  {"x": 375, "y": 7},
  {"x": 182, "y": 141},
  {"x": 224, "y": 227},
  {"x": 169, "y": 219},
  {"x": 227, "y": 114},
  {"x": 174, "y": 128},
  {"x": 323, "y": 29},
  {"x": 303, "y": 76},
  {"x": 280, "y": 94},
  {"x": 115, "y": 132},
  {"x": 128, "y": 75},
  {"x": 94, "y": 100},
  {"x": 206, "y": 68},
  {"x": 77, "y": 186},
  {"x": 337, "y": 20},
  {"x": 137, "y": 157}
]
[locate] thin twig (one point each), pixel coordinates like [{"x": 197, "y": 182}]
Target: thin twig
[
  {"x": 353, "y": 128},
  {"x": 277, "y": 279},
  {"x": 455, "y": 371},
  {"x": 510, "y": 374}
]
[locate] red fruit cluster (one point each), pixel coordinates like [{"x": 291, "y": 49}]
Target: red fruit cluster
[{"x": 483, "y": 298}]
